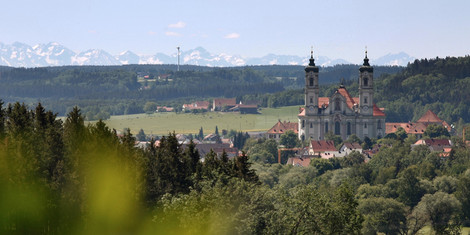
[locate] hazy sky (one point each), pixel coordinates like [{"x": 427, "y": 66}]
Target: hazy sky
[{"x": 251, "y": 28}]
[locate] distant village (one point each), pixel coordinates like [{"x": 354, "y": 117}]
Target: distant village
[{"x": 339, "y": 115}]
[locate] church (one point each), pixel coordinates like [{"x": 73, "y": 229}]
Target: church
[{"x": 340, "y": 113}]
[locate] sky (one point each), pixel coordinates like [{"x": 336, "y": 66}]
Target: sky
[{"x": 249, "y": 28}]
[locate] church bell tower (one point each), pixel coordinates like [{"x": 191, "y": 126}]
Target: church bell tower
[
  {"x": 366, "y": 87},
  {"x": 312, "y": 90}
]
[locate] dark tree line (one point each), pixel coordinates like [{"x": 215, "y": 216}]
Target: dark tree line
[{"x": 67, "y": 177}]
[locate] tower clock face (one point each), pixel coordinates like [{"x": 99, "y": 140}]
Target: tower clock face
[
  {"x": 310, "y": 108},
  {"x": 365, "y": 107}
]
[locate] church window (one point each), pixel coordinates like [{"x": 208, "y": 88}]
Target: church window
[
  {"x": 365, "y": 100},
  {"x": 311, "y": 100},
  {"x": 365, "y": 125},
  {"x": 311, "y": 81},
  {"x": 337, "y": 104},
  {"x": 311, "y": 125},
  {"x": 337, "y": 128},
  {"x": 349, "y": 128},
  {"x": 366, "y": 81},
  {"x": 379, "y": 124},
  {"x": 326, "y": 126},
  {"x": 303, "y": 123}
]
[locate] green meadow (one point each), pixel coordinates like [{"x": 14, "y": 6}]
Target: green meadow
[{"x": 164, "y": 123}]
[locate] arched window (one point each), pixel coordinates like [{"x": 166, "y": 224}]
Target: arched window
[
  {"x": 337, "y": 128},
  {"x": 311, "y": 99},
  {"x": 326, "y": 127},
  {"x": 365, "y": 100},
  {"x": 379, "y": 124},
  {"x": 311, "y": 81},
  {"x": 311, "y": 125},
  {"x": 366, "y": 81},
  {"x": 337, "y": 104},
  {"x": 303, "y": 123},
  {"x": 349, "y": 128}
]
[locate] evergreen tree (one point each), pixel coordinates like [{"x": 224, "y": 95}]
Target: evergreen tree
[
  {"x": 201, "y": 134},
  {"x": 141, "y": 135},
  {"x": 216, "y": 130},
  {"x": 241, "y": 169},
  {"x": 2, "y": 120}
]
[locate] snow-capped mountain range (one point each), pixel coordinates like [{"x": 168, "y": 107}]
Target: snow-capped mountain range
[{"x": 53, "y": 54}]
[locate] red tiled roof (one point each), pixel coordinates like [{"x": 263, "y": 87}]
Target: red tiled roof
[
  {"x": 429, "y": 116},
  {"x": 435, "y": 142},
  {"x": 417, "y": 127},
  {"x": 282, "y": 127},
  {"x": 225, "y": 102},
  {"x": 297, "y": 161},
  {"x": 323, "y": 101},
  {"x": 409, "y": 127},
  {"x": 322, "y": 145},
  {"x": 349, "y": 100},
  {"x": 377, "y": 112}
]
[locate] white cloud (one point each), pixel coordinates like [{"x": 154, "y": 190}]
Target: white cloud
[
  {"x": 232, "y": 35},
  {"x": 180, "y": 24},
  {"x": 172, "y": 34},
  {"x": 152, "y": 33}
]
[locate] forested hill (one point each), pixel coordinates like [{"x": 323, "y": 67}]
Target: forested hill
[
  {"x": 124, "y": 89},
  {"x": 440, "y": 84}
]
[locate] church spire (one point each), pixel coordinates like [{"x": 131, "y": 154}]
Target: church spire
[
  {"x": 312, "y": 60},
  {"x": 366, "y": 60},
  {"x": 311, "y": 66}
]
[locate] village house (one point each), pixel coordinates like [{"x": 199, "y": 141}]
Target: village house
[
  {"x": 245, "y": 109},
  {"x": 211, "y": 139},
  {"x": 299, "y": 161},
  {"x": 417, "y": 128},
  {"x": 280, "y": 128},
  {"x": 218, "y": 149},
  {"x": 302, "y": 158},
  {"x": 223, "y": 104},
  {"x": 323, "y": 148},
  {"x": 200, "y": 105},
  {"x": 444, "y": 146},
  {"x": 164, "y": 109},
  {"x": 347, "y": 148}
]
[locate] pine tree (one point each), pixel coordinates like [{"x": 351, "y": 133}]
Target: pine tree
[
  {"x": 2, "y": 120},
  {"x": 241, "y": 169},
  {"x": 141, "y": 135},
  {"x": 201, "y": 134}
]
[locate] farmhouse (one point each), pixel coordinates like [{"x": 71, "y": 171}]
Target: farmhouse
[
  {"x": 223, "y": 104},
  {"x": 202, "y": 105},
  {"x": 280, "y": 128}
]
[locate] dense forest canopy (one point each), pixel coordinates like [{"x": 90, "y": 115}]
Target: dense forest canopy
[{"x": 65, "y": 177}]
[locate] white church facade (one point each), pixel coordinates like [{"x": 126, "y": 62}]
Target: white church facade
[{"x": 340, "y": 113}]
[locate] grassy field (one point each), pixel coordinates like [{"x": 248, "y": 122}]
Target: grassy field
[{"x": 163, "y": 123}]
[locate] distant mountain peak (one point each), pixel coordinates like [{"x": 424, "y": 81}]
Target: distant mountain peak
[
  {"x": 54, "y": 54},
  {"x": 397, "y": 59}
]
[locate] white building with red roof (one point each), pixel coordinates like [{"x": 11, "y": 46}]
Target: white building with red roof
[
  {"x": 340, "y": 113},
  {"x": 417, "y": 128},
  {"x": 280, "y": 128},
  {"x": 323, "y": 148}
]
